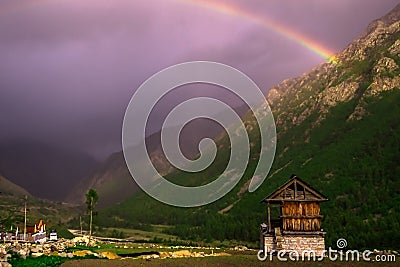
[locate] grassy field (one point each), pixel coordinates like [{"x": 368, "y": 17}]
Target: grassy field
[
  {"x": 141, "y": 248},
  {"x": 235, "y": 260},
  {"x": 136, "y": 234},
  {"x": 157, "y": 235}
]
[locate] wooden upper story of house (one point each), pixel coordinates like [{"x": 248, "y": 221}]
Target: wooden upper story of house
[{"x": 299, "y": 207}]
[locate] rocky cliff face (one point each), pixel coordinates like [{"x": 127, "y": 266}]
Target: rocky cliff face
[{"x": 365, "y": 68}]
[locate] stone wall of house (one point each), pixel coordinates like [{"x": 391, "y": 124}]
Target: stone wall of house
[
  {"x": 269, "y": 243},
  {"x": 298, "y": 243}
]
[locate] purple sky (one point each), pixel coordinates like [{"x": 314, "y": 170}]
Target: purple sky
[{"x": 69, "y": 67}]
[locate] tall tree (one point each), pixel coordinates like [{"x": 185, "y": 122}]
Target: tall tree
[{"x": 91, "y": 201}]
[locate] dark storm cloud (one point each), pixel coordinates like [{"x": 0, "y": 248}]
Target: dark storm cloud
[{"x": 69, "y": 68}]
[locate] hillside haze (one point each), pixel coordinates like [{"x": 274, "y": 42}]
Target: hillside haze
[
  {"x": 9, "y": 188},
  {"x": 112, "y": 179},
  {"x": 338, "y": 129},
  {"x": 44, "y": 170}
]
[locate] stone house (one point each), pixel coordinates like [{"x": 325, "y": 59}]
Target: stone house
[{"x": 298, "y": 227}]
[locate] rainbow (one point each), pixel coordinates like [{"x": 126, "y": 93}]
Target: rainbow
[{"x": 231, "y": 10}]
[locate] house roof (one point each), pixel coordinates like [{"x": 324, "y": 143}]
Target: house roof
[{"x": 295, "y": 190}]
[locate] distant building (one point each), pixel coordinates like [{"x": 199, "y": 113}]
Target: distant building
[
  {"x": 36, "y": 233},
  {"x": 53, "y": 235},
  {"x": 40, "y": 233},
  {"x": 299, "y": 224}
]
